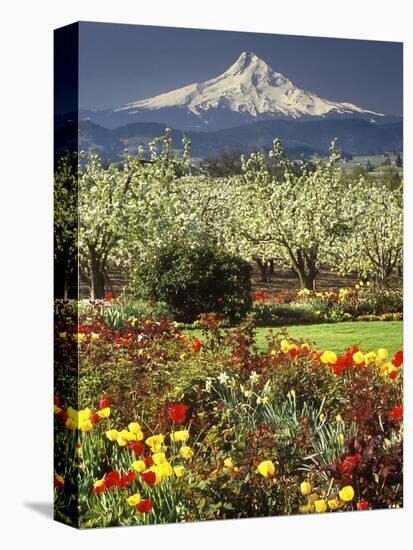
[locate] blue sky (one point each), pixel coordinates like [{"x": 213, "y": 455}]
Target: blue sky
[{"x": 121, "y": 63}]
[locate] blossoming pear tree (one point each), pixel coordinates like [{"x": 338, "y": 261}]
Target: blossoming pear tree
[
  {"x": 65, "y": 225},
  {"x": 103, "y": 205},
  {"x": 297, "y": 215},
  {"x": 375, "y": 247},
  {"x": 131, "y": 209}
]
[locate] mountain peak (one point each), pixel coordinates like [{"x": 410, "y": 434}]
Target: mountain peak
[
  {"x": 247, "y": 61},
  {"x": 248, "y": 58},
  {"x": 248, "y": 90}
]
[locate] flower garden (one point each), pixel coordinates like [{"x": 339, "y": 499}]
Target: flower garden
[
  {"x": 182, "y": 395},
  {"x": 171, "y": 428}
]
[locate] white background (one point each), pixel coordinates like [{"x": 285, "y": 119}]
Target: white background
[{"x": 26, "y": 269}]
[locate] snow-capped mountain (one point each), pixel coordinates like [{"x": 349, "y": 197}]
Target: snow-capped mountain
[{"x": 248, "y": 91}]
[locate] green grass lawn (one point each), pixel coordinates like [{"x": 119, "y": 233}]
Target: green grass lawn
[{"x": 370, "y": 335}]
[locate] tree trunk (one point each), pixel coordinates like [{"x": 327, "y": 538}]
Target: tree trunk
[
  {"x": 97, "y": 277},
  {"x": 305, "y": 265},
  {"x": 307, "y": 279},
  {"x": 263, "y": 266},
  {"x": 97, "y": 289}
]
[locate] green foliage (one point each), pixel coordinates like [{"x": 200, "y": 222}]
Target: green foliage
[
  {"x": 375, "y": 300},
  {"x": 198, "y": 279},
  {"x": 116, "y": 315}
]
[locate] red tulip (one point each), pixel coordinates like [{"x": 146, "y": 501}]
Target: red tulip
[
  {"x": 138, "y": 448},
  {"x": 148, "y": 461},
  {"x": 130, "y": 476},
  {"x": 104, "y": 403},
  {"x": 63, "y": 416},
  {"x": 396, "y": 413},
  {"x": 108, "y": 297},
  {"x": 112, "y": 479},
  {"x": 127, "y": 480},
  {"x": 58, "y": 483},
  {"x": 345, "y": 468},
  {"x": 144, "y": 506},
  {"x": 362, "y": 505},
  {"x": 177, "y": 413},
  {"x": 149, "y": 478},
  {"x": 353, "y": 459},
  {"x": 292, "y": 353},
  {"x": 99, "y": 489},
  {"x": 197, "y": 345},
  {"x": 94, "y": 418},
  {"x": 397, "y": 359}
]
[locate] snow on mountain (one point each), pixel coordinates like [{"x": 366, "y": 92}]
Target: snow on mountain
[{"x": 250, "y": 88}]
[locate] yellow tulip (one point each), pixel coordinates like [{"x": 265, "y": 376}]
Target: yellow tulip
[
  {"x": 139, "y": 466},
  {"x": 179, "y": 471},
  {"x": 358, "y": 357},
  {"x": 328, "y": 358},
  {"x": 156, "y": 443},
  {"x": 370, "y": 357},
  {"x": 306, "y": 509},
  {"x": 334, "y": 503},
  {"x": 320, "y": 506},
  {"x": 378, "y": 361},
  {"x": 340, "y": 439},
  {"x": 165, "y": 469},
  {"x": 71, "y": 424},
  {"x": 180, "y": 435},
  {"x": 228, "y": 463},
  {"x": 135, "y": 499},
  {"x": 72, "y": 413},
  {"x": 139, "y": 436},
  {"x": 104, "y": 413},
  {"x": 305, "y": 488},
  {"x": 383, "y": 353},
  {"x": 347, "y": 493},
  {"x": 112, "y": 435},
  {"x": 285, "y": 346},
  {"x": 127, "y": 435},
  {"x": 121, "y": 441},
  {"x": 159, "y": 458},
  {"x": 85, "y": 426},
  {"x": 134, "y": 427},
  {"x": 187, "y": 452},
  {"x": 266, "y": 468},
  {"x": 84, "y": 415}
]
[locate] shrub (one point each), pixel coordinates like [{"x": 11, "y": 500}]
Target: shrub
[
  {"x": 377, "y": 300},
  {"x": 198, "y": 280}
]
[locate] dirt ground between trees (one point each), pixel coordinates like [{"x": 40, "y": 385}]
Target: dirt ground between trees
[{"x": 281, "y": 278}]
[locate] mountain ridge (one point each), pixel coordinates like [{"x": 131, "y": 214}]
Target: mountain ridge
[
  {"x": 306, "y": 138},
  {"x": 247, "y": 91}
]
